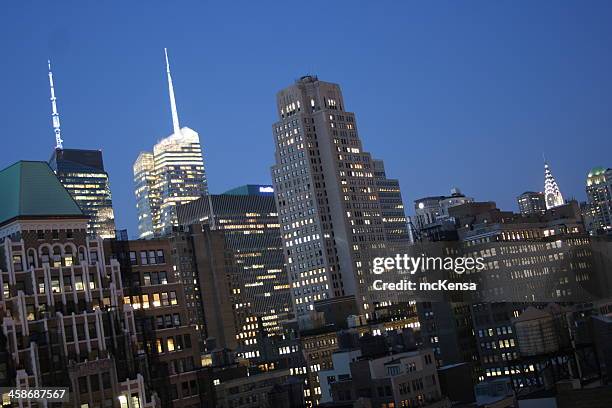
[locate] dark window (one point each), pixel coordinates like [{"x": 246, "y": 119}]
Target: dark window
[
  {"x": 83, "y": 385},
  {"x": 163, "y": 278},
  {"x": 106, "y": 380},
  {"x": 94, "y": 382},
  {"x": 160, "y": 256}
]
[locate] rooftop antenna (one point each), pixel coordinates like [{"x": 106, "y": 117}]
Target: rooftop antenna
[
  {"x": 54, "y": 114},
  {"x": 175, "y": 119}
]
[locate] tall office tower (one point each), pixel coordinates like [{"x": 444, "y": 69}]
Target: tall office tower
[
  {"x": 531, "y": 202},
  {"x": 391, "y": 205},
  {"x": 552, "y": 194},
  {"x": 260, "y": 289},
  {"x": 598, "y": 216},
  {"x": 82, "y": 174},
  {"x": 173, "y": 174},
  {"x": 147, "y": 197},
  {"x": 327, "y": 196},
  {"x": 64, "y": 322}
]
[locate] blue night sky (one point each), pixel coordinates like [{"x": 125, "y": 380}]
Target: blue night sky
[{"x": 466, "y": 94}]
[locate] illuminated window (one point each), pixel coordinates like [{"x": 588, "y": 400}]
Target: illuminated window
[{"x": 170, "y": 343}]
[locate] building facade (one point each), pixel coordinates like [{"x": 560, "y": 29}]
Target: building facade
[
  {"x": 531, "y": 202},
  {"x": 598, "y": 216},
  {"x": 65, "y": 323},
  {"x": 247, "y": 219},
  {"x": 327, "y": 196},
  {"x": 82, "y": 174},
  {"x": 172, "y": 174},
  {"x": 165, "y": 332}
]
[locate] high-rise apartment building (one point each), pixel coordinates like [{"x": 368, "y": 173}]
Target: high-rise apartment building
[
  {"x": 327, "y": 195},
  {"x": 531, "y": 202},
  {"x": 248, "y": 219},
  {"x": 65, "y": 323},
  {"x": 598, "y": 216},
  {"x": 172, "y": 174},
  {"x": 82, "y": 174}
]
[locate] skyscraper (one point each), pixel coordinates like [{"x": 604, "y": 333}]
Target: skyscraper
[
  {"x": 82, "y": 174},
  {"x": 598, "y": 216},
  {"x": 260, "y": 293},
  {"x": 172, "y": 174},
  {"x": 327, "y": 195},
  {"x": 552, "y": 194},
  {"x": 531, "y": 202}
]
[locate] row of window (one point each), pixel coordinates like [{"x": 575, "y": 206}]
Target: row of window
[
  {"x": 146, "y": 301},
  {"x": 151, "y": 257}
]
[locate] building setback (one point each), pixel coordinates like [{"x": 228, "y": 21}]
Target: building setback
[
  {"x": 327, "y": 195},
  {"x": 172, "y": 174},
  {"x": 82, "y": 174}
]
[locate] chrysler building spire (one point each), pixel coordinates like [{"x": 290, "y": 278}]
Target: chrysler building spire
[
  {"x": 175, "y": 119},
  {"x": 54, "y": 114},
  {"x": 552, "y": 194}
]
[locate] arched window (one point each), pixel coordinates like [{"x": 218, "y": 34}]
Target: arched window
[
  {"x": 68, "y": 256},
  {"x": 32, "y": 258},
  {"x": 57, "y": 257},
  {"x": 44, "y": 254}
]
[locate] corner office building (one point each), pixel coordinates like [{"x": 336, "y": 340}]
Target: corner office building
[
  {"x": 64, "y": 323},
  {"x": 82, "y": 174},
  {"x": 328, "y": 195}
]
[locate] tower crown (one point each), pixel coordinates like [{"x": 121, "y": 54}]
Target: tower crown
[{"x": 552, "y": 193}]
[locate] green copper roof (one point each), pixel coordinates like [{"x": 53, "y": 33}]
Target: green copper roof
[
  {"x": 596, "y": 171},
  {"x": 30, "y": 188}
]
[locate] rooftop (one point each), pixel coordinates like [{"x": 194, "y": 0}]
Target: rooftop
[{"x": 31, "y": 189}]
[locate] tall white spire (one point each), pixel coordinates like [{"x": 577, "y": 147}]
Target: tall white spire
[
  {"x": 552, "y": 193},
  {"x": 175, "y": 119},
  {"x": 54, "y": 114}
]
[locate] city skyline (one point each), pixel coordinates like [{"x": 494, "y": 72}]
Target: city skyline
[{"x": 88, "y": 109}]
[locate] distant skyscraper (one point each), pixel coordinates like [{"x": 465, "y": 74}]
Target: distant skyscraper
[
  {"x": 531, "y": 202},
  {"x": 260, "y": 290},
  {"x": 552, "y": 194},
  {"x": 82, "y": 174},
  {"x": 599, "y": 194},
  {"x": 391, "y": 205},
  {"x": 173, "y": 174},
  {"x": 328, "y": 197}
]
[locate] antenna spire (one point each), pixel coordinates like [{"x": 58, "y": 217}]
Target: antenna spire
[
  {"x": 54, "y": 114},
  {"x": 175, "y": 119}
]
